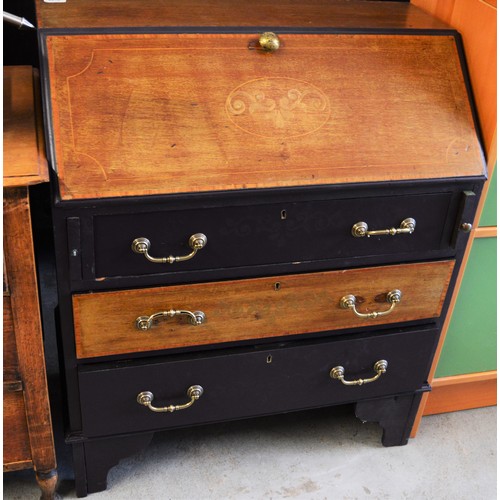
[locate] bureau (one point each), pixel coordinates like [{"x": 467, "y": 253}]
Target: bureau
[{"x": 253, "y": 213}]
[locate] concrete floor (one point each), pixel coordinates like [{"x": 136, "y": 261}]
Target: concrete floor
[{"x": 320, "y": 454}]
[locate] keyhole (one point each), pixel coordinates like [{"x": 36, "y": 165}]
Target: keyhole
[
  {"x": 269, "y": 359},
  {"x": 283, "y": 214},
  {"x": 277, "y": 286}
]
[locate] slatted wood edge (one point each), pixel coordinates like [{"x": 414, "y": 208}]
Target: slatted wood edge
[
  {"x": 24, "y": 464},
  {"x": 13, "y": 386},
  {"x": 314, "y": 13},
  {"x": 486, "y": 232},
  {"x": 462, "y": 392}
]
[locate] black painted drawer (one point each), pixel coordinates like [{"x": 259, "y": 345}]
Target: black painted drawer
[
  {"x": 274, "y": 233},
  {"x": 246, "y": 383}
]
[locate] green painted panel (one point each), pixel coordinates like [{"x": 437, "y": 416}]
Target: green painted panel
[
  {"x": 489, "y": 215},
  {"x": 470, "y": 344}
]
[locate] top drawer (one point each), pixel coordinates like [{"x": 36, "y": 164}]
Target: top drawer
[
  {"x": 276, "y": 233},
  {"x": 141, "y": 114}
]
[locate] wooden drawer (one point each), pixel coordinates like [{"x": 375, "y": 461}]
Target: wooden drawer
[
  {"x": 16, "y": 443},
  {"x": 274, "y": 233},
  {"x": 247, "y": 383},
  {"x": 140, "y": 114},
  {"x": 105, "y": 323}
]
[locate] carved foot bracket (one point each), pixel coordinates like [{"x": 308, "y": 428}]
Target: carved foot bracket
[
  {"x": 95, "y": 457},
  {"x": 395, "y": 415}
]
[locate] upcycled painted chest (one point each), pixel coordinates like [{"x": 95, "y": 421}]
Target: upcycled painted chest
[{"x": 254, "y": 213}]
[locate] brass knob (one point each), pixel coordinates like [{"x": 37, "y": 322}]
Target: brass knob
[{"x": 269, "y": 41}]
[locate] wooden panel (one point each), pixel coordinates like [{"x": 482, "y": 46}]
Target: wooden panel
[
  {"x": 256, "y": 308},
  {"x": 485, "y": 232},
  {"x": 462, "y": 392},
  {"x": 20, "y": 267},
  {"x": 476, "y": 20},
  {"x": 16, "y": 444},
  {"x": 313, "y": 13},
  {"x": 10, "y": 363},
  {"x": 152, "y": 114},
  {"x": 252, "y": 382},
  {"x": 23, "y": 147}
]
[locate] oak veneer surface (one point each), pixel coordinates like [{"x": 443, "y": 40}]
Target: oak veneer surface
[
  {"x": 16, "y": 442},
  {"x": 476, "y": 20},
  {"x": 24, "y": 160},
  {"x": 294, "y": 13},
  {"x": 256, "y": 308},
  {"x": 160, "y": 114}
]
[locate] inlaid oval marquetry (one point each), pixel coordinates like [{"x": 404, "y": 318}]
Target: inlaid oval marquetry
[{"x": 278, "y": 107}]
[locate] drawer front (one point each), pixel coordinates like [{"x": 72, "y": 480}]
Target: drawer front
[
  {"x": 106, "y": 323},
  {"x": 16, "y": 444},
  {"x": 142, "y": 114},
  {"x": 274, "y": 233},
  {"x": 251, "y": 383}
]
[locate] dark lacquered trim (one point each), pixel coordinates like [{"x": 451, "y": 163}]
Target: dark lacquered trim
[
  {"x": 47, "y": 115},
  {"x": 263, "y": 195},
  {"x": 237, "y": 30}
]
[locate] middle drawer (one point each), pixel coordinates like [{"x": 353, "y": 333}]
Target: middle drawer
[{"x": 112, "y": 323}]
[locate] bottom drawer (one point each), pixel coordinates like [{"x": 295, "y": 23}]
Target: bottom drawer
[{"x": 245, "y": 383}]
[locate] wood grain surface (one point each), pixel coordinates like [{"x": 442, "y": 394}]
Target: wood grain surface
[
  {"x": 16, "y": 443},
  {"x": 293, "y": 13},
  {"x": 462, "y": 392},
  {"x": 24, "y": 159},
  {"x": 256, "y": 308},
  {"x": 20, "y": 268},
  {"x": 154, "y": 114},
  {"x": 476, "y": 20},
  {"x": 10, "y": 363}
]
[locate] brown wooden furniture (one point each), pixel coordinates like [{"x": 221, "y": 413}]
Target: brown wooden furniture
[
  {"x": 27, "y": 437},
  {"x": 242, "y": 231}
]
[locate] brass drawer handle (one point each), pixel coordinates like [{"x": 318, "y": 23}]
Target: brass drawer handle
[
  {"x": 407, "y": 226},
  {"x": 146, "y": 322},
  {"x": 146, "y": 398},
  {"x": 142, "y": 245},
  {"x": 349, "y": 302},
  {"x": 269, "y": 41},
  {"x": 380, "y": 367}
]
